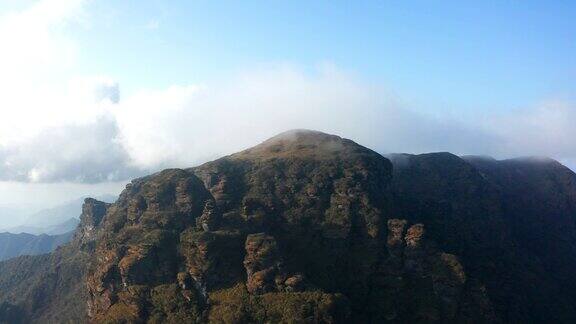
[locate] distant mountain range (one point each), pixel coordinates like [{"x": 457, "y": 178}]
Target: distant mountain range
[
  {"x": 13, "y": 245},
  {"x": 56, "y": 220},
  {"x": 10, "y": 216},
  {"x": 46, "y": 230},
  {"x": 309, "y": 227},
  {"x": 55, "y": 229}
]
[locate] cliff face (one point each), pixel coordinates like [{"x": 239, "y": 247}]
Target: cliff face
[
  {"x": 538, "y": 196},
  {"x": 273, "y": 217},
  {"x": 300, "y": 219},
  {"x": 50, "y": 288},
  {"x": 13, "y": 245},
  {"x": 511, "y": 223},
  {"x": 463, "y": 215},
  {"x": 305, "y": 227}
]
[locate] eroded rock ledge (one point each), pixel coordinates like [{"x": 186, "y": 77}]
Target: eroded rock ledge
[{"x": 256, "y": 236}]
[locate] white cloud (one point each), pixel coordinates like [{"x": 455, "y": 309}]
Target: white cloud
[
  {"x": 183, "y": 126},
  {"x": 36, "y": 55},
  {"x": 77, "y": 153},
  {"x": 33, "y": 41},
  {"x": 59, "y": 126},
  {"x": 547, "y": 129},
  {"x": 33, "y": 33},
  {"x": 152, "y": 24},
  {"x": 55, "y": 125},
  {"x": 187, "y": 125}
]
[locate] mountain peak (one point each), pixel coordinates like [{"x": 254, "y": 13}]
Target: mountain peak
[
  {"x": 312, "y": 227},
  {"x": 299, "y": 135},
  {"x": 303, "y": 143}
]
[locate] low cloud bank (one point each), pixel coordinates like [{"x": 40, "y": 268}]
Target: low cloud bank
[
  {"x": 58, "y": 126},
  {"x": 185, "y": 125}
]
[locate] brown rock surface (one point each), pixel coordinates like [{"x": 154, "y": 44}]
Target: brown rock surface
[{"x": 312, "y": 228}]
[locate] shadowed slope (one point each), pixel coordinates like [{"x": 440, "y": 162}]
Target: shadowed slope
[
  {"x": 309, "y": 227},
  {"x": 539, "y": 200}
]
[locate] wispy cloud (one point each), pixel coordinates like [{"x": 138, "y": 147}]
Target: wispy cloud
[
  {"x": 186, "y": 125},
  {"x": 83, "y": 129},
  {"x": 152, "y": 24}
]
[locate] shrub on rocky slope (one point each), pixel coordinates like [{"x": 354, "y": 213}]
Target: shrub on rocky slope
[{"x": 303, "y": 228}]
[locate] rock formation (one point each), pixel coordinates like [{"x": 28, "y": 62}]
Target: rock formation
[{"x": 308, "y": 228}]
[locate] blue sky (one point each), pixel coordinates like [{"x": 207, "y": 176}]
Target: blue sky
[
  {"x": 446, "y": 56},
  {"x": 441, "y": 56},
  {"x": 97, "y": 92}
]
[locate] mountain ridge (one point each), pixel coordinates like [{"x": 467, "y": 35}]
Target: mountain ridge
[
  {"x": 13, "y": 245},
  {"x": 308, "y": 218}
]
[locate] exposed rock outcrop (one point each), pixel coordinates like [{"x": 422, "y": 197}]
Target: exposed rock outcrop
[
  {"x": 538, "y": 200},
  {"x": 93, "y": 212},
  {"x": 265, "y": 269},
  {"x": 416, "y": 282},
  {"x": 138, "y": 266},
  {"x": 312, "y": 228},
  {"x": 199, "y": 237}
]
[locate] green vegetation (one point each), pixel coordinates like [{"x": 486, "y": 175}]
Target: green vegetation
[
  {"x": 312, "y": 228},
  {"x": 236, "y": 305}
]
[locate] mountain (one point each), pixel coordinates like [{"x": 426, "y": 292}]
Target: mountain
[
  {"x": 511, "y": 222},
  {"x": 56, "y": 220},
  {"x": 10, "y": 216},
  {"x": 313, "y": 228},
  {"x": 47, "y": 288},
  {"x": 51, "y": 288},
  {"x": 539, "y": 201},
  {"x": 13, "y": 245},
  {"x": 47, "y": 220},
  {"x": 54, "y": 229}
]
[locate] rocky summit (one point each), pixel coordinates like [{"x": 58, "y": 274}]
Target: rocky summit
[{"x": 313, "y": 228}]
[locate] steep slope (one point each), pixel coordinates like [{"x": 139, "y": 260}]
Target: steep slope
[
  {"x": 464, "y": 216},
  {"x": 312, "y": 228},
  {"x": 50, "y": 288},
  {"x": 13, "y": 245},
  {"x": 297, "y": 229},
  {"x": 46, "y": 288},
  {"x": 539, "y": 199},
  {"x": 500, "y": 218}
]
